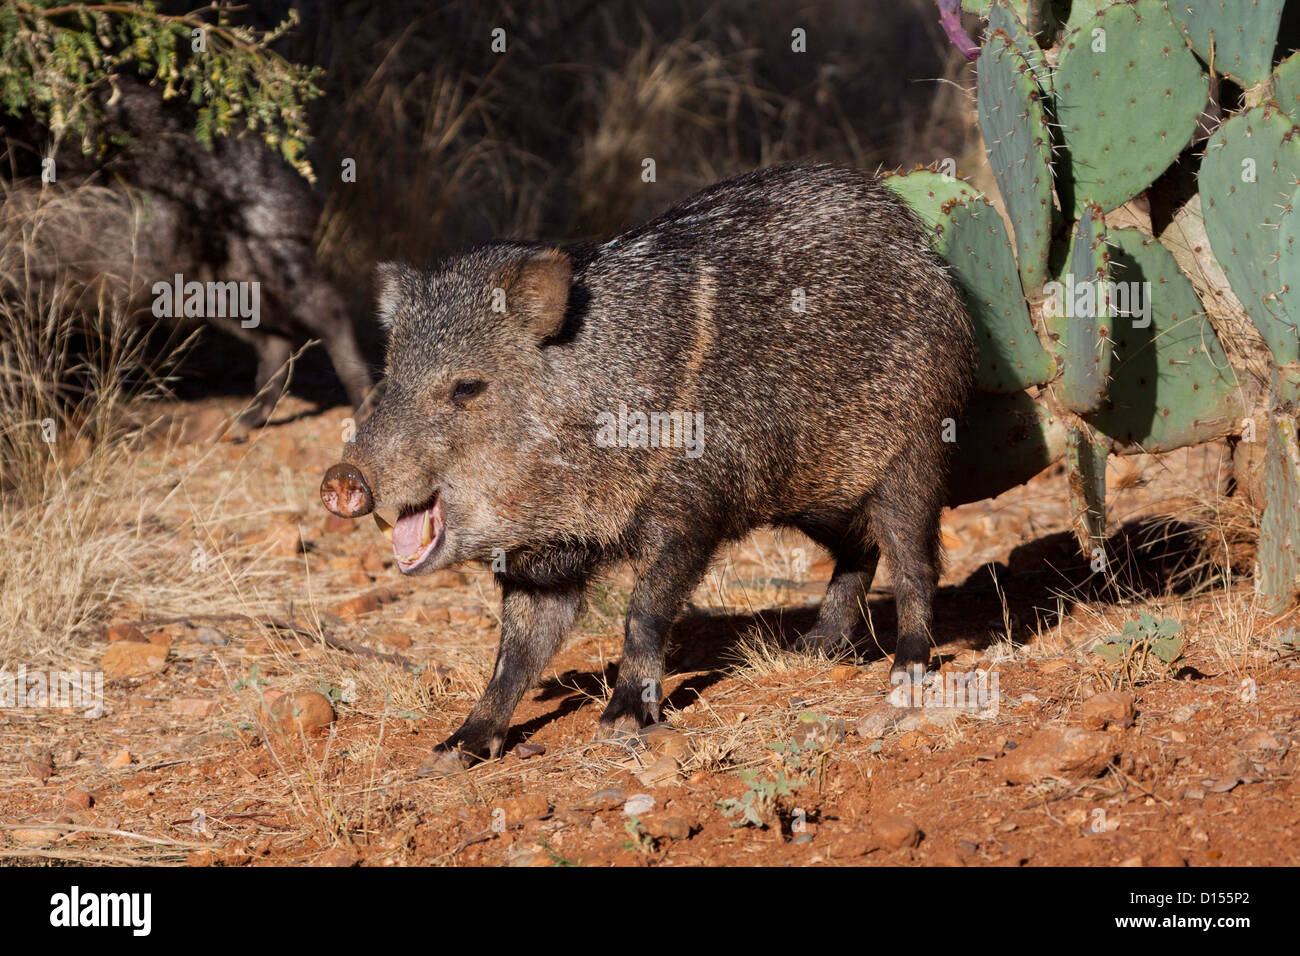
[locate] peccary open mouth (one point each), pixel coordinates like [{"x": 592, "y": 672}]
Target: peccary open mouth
[{"x": 418, "y": 534}]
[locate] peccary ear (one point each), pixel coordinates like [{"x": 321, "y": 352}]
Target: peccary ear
[
  {"x": 393, "y": 282},
  {"x": 537, "y": 291}
]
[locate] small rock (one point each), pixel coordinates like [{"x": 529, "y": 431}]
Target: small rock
[
  {"x": 353, "y": 608},
  {"x": 813, "y": 730},
  {"x": 39, "y": 767},
  {"x": 195, "y": 707},
  {"x": 527, "y": 750},
  {"x": 665, "y": 741},
  {"x": 638, "y": 804},
  {"x": 533, "y": 806},
  {"x": 78, "y": 799},
  {"x": 161, "y": 639},
  {"x": 302, "y": 712},
  {"x": 124, "y": 632},
  {"x": 200, "y": 858},
  {"x": 373, "y": 560},
  {"x": 929, "y": 720},
  {"x": 1060, "y": 752},
  {"x": 1104, "y": 710},
  {"x": 843, "y": 672},
  {"x": 122, "y": 760},
  {"x": 34, "y": 836},
  {"x": 848, "y": 845},
  {"x": 670, "y": 828},
  {"x": 1262, "y": 740},
  {"x": 282, "y": 538},
  {"x": 1183, "y": 714},
  {"x": 131, "y": 659},
  {"x": 395, "y": 638},
  {"x": 894, "y": 831},
  {"x": 334, "y": 524},
  {"x": 603, "y": 800},
  {"x": 879, "y": 721},
  {"x": 421, "y": 614},
  {"x": 1132, "y": 861},
  {"x": 338, "y": 856},
  {"x": 534, "y": 855},
  {"x": 212, "y": 637},
  {"x": 662, "y": 771}
]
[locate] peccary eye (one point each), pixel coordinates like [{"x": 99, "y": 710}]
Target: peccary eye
[{"x": 466, "y": 389}]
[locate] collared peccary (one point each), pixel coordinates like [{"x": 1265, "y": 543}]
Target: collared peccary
[
  {"x": 796, "y": 314},
  {"x": 226, "y": 218}
]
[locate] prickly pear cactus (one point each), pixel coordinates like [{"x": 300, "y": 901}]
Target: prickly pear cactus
[
  {"x": 1286, "y": 86},
  {"x": 1247, "y": 180},
  {"x": 1018, "y": 142},
  {"x": 1171, "y": 384},
  {"x": 1128, "y": 97},
  {"x": 1134, "y": 362},
  {"x": 927, "y": 192},
  {"x": 1079, "y": 317},
  {"x": 1003, "y": 21},
  {"x": 972, "y": 238},
  {"x": 1235, "y": 37},
  {"x": 1278, "y": 575},
  {"x": 1086, "y": 461}
]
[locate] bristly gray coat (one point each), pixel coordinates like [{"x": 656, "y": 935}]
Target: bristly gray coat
[{"x": 794, "y": 318}]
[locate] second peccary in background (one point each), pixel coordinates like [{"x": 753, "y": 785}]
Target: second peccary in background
[
  {"x": 794, "y": 319},
  {"x": 165, "y": 205}
]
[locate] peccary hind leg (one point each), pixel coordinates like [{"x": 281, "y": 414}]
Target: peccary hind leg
[
  {"x": 272, "y": 375},
  {"x": 534, "y": 623},
  {"x": 905, "y": 521},
  {"x": 666, "y": 576},
  {"x": 843, "y": 607}
]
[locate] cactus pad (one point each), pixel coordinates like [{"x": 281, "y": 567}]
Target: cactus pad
[
  {"x": 1247, "y": 181},
  {"x": 1286, "y": 86},
  {"x": 927, "y": 192},
  {"x": 1279, "y": 533},
  {"x": 1171, "y": 384},
  {"x": 1003, "y": 20},
  {"x": 1126, "y": 111},
  {"x": 1077, "y": 314},
  {"x": 1018, "y": 142},
  {"x": 1235, "y": 36},
  {"x": 971, "y": 237},
  {"x": 1085, "y": 460}
]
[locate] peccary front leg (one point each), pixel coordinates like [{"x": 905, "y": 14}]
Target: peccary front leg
[
  {"x": 534, "y": 623},
  {"x": 272, "y": 375},
  {"x": 665, "y": 579}
]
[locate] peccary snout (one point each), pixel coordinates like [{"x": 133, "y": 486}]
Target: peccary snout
[{"x": 344, "y": 491}]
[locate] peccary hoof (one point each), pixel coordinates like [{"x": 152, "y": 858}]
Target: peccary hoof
[
  {"x": 344, "y": 491},
  {"x": 621, "y": 730}
]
